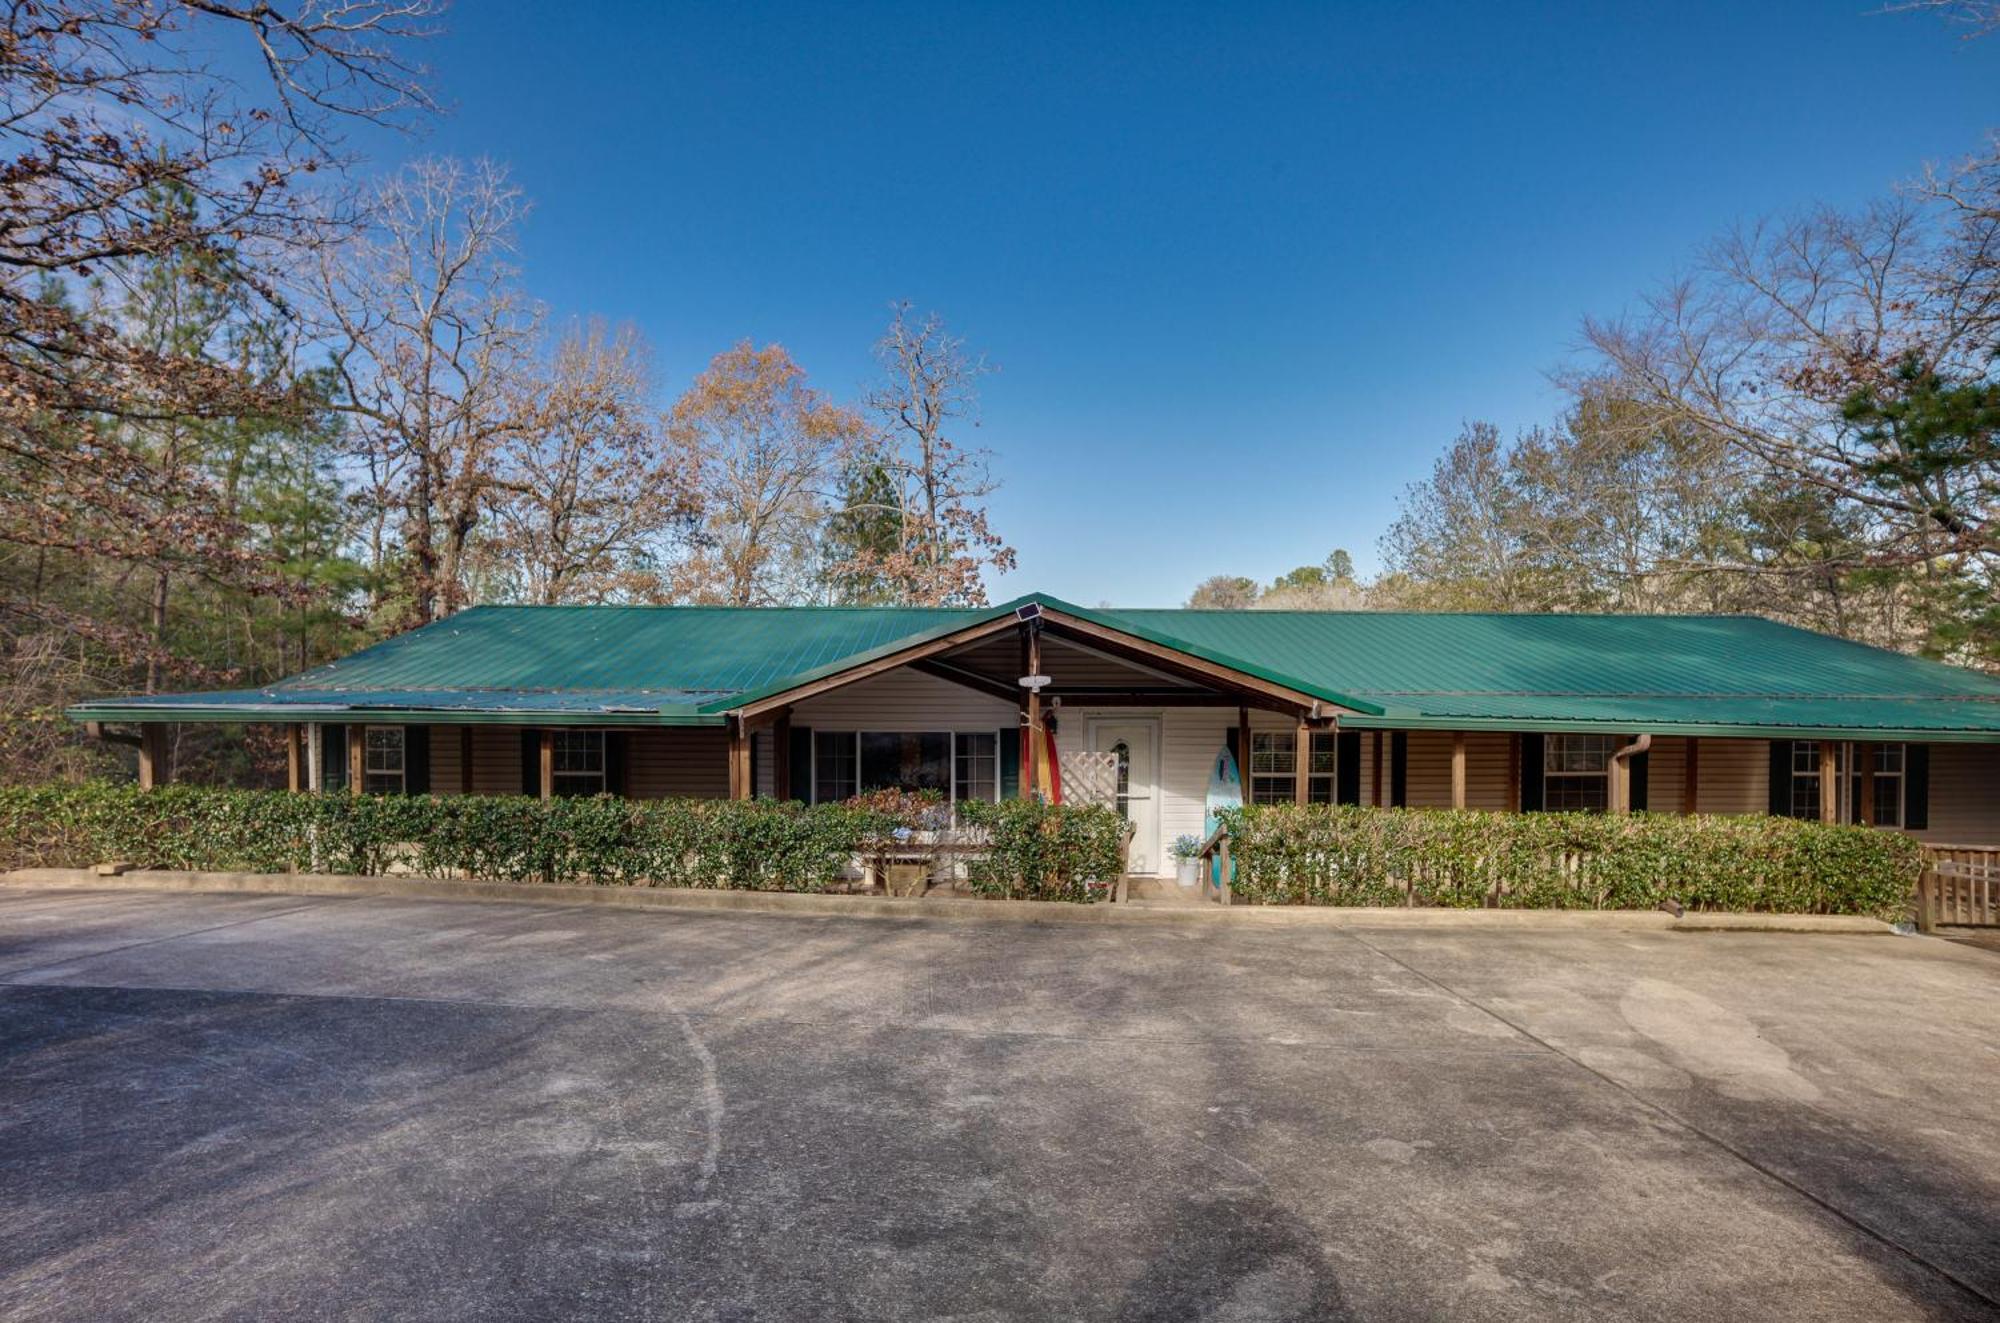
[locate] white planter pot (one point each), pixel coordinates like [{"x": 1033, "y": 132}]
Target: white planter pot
[{"x": 1187, "y": 872}]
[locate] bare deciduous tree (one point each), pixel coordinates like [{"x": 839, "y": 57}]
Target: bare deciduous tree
[
  {"x": 934, "y": 488},
  {"x": 432, "y": 342},
  {"x": 590, "y": 491}
]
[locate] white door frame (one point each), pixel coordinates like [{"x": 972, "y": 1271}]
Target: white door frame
[{"x": 1150, "y": 720}]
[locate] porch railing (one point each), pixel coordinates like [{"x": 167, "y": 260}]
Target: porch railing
[{"x": 1960, "y": 886}]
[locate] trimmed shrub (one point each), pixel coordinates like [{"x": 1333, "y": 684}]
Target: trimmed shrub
[
  {"x": 1038, "y": 851},
  {"x": 1342, "y": 855},
  {"x": 724, "y": 844}
]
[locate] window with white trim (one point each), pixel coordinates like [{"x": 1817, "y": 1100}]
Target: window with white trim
[
  {"x": 1274, "y": 767},
  {"x": 975, "y": 765},
  {"x": 578, "y": 768},
  {"x": 1889, "y": 763},
  {"x": 1889, "y": 759},
  {"x": 382, "y": 765},
  {"x": 1805, "y": 780},
  {"x": 1576, "y": 773}
]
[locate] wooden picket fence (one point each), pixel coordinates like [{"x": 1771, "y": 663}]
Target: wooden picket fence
[{"x": 1960, "y": 886}]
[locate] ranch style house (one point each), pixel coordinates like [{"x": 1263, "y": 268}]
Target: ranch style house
[{"x": 1509, "y": 713}]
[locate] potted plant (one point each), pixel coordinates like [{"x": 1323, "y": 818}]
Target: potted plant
[{"x": 1187, "y": 861}]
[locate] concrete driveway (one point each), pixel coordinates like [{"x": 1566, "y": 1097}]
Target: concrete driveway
[{"x": 251, "y": 1107}]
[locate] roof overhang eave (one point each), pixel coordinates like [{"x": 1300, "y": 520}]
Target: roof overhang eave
[
  {"x": 250, "y": 714},
  {"x": 1704, "y": 729}
]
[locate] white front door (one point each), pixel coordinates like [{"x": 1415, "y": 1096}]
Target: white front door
[{"x": 1136, "y": 744}]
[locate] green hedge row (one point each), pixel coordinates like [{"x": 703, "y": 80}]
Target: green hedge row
[
  {"x": 1032, "y": 850},
  {"x": 1328, "y": 855}
]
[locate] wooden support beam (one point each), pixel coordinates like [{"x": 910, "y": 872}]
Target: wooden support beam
[
  {"x": 1691, "y": 777},
  {"x": 152, "y": 754},
  {"x": 1458, "y": 769},
  {"x": 465, "y": 760},
  {"x": 781, "y": 755},
  {"x": 1379, "y": 739},
  {"x": 295, "y": 757},
  {"x": 973, "y": 680},
  {"x": 357, "y": 757},
  {"x": 739, "y": 760},
  {"x": 1829, "y": 781},
  {"x": 1864, "y": 812},
  {"x": 1302, "y": 766},
  {"x": 96, "y": 731},
  {"x": 548, "y": 764}
]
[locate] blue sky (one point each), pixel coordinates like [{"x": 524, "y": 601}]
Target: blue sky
[{"x": 1243, "y": 268}]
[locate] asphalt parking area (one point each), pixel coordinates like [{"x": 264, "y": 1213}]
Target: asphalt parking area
[{"x": 241, "y": 1107}]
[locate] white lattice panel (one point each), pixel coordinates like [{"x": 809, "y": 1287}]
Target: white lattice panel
[{"x": 1090, "y": 777}]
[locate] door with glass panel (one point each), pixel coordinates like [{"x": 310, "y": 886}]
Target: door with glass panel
[{"x": 1135, "y": 745}]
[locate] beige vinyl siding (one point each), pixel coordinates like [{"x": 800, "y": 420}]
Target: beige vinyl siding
[
  {"x": 1733, "y": 776},
  {"x": 444, "y": 761},
  {"x": 906, "y": 700},
  {"x": 496, "y": 760},
  {"x": 679, "y": 763},
  {"x": 1666, "y": 774},
  {"x": 1965, "y": 795},
  {"x": 1428, "y": 770}
]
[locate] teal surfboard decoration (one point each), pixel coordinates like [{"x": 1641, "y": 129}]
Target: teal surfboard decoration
[{"x": 1225, "y": 791}]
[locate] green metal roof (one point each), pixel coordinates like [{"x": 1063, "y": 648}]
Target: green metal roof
[{"x": 689, "y": 665}]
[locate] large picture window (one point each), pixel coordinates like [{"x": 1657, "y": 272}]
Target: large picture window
[
  {"x": 579, "y": 763},
  {"x": 1576, "y": 773},
  {"x": 957, "y": 764},
  {"x": 382, "y": 765}
]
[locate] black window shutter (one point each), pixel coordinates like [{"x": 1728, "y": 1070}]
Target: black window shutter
[
  {"x": 1781, "y": 778},
  {"x": 333, "y": 757},
  {"x": 802, "y": 763},
  {"x": 1347, "y": 767},
  {"x": 416, "y": 760},
  {"x": 617, "y": 761},
  {"x": 1399, "y": 769},
  {"x": 1917, "y": 786},
  {"x": 1637, "y": 786},
  {"x": 1010, "y": 764},
  {"x": 531, "y": 763},
  {"x": 1532, "y": 797}
]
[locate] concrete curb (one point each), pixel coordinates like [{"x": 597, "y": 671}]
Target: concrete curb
[{"x": 880, "y": 907}]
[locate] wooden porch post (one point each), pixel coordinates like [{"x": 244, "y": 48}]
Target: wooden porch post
[
  {"x": 1514, "y": 773},
  {"x": 548, "y": 764},
  {"x": 1302, "y": 765},
  {"x": 295, "y": 761},
  {"x": 1376, "y": 800},
  {"x": 1864, "y": 812},
  {"x": 739, "y": 759},
  {"x": 1621, "y": 783},
  {"x": 1031, "y": 708},
  {"x": 1691, "y": 777},
  {"x": 1458, "y": 769},
  {"x": 1829, "y": 788},
  {"x": 152, "y": 754},
  {"x": 357, "y": 757},
  {"x": 465, "y": 760},
  {"x": 781, "y": 755}
]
